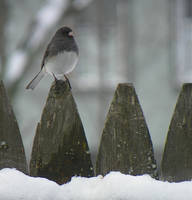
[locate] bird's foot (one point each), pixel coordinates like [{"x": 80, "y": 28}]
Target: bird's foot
[{"x": 68, "y": 81}]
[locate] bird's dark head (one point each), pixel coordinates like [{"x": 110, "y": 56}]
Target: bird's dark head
[{"x": 65, "y": 32}]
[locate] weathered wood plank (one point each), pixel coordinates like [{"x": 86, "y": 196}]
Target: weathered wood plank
[
  {"x": 60, "y": 148},
  {"x": 126, "y": 144},
  {"x": 12, "y": 153},
  {"x": 177, "y": 158}
]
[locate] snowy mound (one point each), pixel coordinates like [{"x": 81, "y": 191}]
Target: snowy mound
[{"x": 15, "y": 185}]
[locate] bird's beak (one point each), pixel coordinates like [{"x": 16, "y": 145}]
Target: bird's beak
[{"x": 71, "y": 34}]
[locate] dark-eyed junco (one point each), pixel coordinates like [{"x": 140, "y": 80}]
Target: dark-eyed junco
[{"x": 60, "y": 57}]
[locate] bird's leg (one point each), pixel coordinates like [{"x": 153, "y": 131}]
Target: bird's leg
[
  {"x": 54, "y": 77},
  {"x": 68, "y": 81}
]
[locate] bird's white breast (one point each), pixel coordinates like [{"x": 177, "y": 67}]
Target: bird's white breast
[{"x": 63, "y": 63}]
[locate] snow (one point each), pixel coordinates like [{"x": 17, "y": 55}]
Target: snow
[{"x": 114, "y": 186}]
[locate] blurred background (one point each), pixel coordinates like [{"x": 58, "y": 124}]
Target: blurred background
[{"x": 147, "y": 42}]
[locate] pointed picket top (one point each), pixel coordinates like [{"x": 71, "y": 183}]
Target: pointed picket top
[
  {"x": 60, "y": 148},
  {"x": 12, "y": 153},
  {"x": 126, "y": 144},
  {"x": 177, "y": 160}
]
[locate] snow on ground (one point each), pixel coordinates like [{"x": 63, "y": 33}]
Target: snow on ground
[{"x": 15, "y": 185}]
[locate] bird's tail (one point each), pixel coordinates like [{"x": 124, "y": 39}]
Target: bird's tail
[{"x": 36, "y": 80}]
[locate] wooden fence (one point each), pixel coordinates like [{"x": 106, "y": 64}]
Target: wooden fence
[{"x": 60, "y": 148}]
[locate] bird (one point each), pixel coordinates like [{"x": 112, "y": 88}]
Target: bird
[{"x": 60, "y": 58}]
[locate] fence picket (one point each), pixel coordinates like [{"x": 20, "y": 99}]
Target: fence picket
[
  {"x": 126, "y": 144},
  {"x": 177, "y": 160},
  {"x": 60, "y": 148},
  {"x": 12, "y": 152}
]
